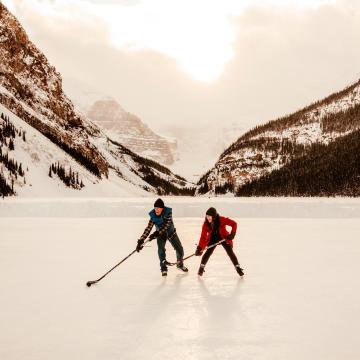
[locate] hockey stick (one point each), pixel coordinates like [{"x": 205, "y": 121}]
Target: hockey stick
[
  {"x": 188, "y": 257},
  {"x": 89, "y": 283}
]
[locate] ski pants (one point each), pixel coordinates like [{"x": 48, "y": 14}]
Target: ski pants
[
  {"x": 229, "y": 250},
  {"x": 176, "y": 244}
]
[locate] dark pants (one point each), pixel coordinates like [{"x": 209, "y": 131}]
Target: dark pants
[
  {"x": 176, "y": 244},
  {"x": 229, "y": 250}
]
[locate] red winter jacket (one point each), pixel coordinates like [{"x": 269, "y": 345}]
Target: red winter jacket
[{"x": 207, "y": 229}]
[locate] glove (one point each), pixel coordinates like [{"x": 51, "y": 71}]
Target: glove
[
  {"x": 198, "y": 251},
  {"x": 154, "y": 235},
  {"x": 140, "y": 245},
  {"x": 230, "y": 237}
]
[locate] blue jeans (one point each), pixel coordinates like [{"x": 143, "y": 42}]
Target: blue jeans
[{"x": 176, "y": 244}]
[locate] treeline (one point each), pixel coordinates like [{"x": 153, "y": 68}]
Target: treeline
[
  {"x": 12, "y": 165},
  {"x": 8, "y": 133},
  {"x": 218, "y": 190},
  {"x": 5, "y": 188},
  {"x": 70, "y": 178},
  {"x": 342, "y": 121},
  {"x": 148, "y": 163},
  {"x": 268, "y": 148},
  {"x": 326, "y": 170},
  {"x": 145, "y": 171},
  {"x": 202, "y": 184},
  {"x": 163, "y": 186}
]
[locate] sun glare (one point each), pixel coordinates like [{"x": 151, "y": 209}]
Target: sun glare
[{"x": 199, "y": 35}]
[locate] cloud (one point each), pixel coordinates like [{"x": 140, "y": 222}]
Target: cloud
[
  {"x": 198, "y": 35},
  {"x": 282, "y": 58},
  {"x": 114, "y": 2}
]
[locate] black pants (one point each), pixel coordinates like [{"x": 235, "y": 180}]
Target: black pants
[
  {"x": 229, "y": 250},
  {"x": 176, "y": 244}
]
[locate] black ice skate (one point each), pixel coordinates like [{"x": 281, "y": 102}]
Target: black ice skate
[
  {"x": 201, "y": 270},
  {"x": 182, "y": 267},
  {"x": 239, "y": 270}
]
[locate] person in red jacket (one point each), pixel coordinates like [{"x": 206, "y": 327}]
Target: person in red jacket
[{"x": 213, "y": 231}]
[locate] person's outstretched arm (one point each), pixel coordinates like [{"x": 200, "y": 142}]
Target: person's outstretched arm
[
  {"x": 147, "y": 230},
  {"x": 140, "y": 242}
]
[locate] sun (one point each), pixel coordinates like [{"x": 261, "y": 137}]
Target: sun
[
  {"x": 198, "y": 35},
  {"x": 205, "y": 67}
]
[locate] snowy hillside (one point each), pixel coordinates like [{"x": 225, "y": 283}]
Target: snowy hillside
[
  {"x": 31, "y": 89},
  {"x": 325, "y": 170},
  {"x": 271, "y": 146},
  {"x": 37, "y": 153}
]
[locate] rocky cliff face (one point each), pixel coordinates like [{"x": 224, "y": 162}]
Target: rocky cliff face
[
  {"x": 130, "y": 131},
  {"x": 31, "y": 89},
  {"x": 271, "y": 146}
]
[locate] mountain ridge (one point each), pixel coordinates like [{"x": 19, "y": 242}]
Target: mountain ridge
[
  {"x": 270, "y": 146},
  {"x": 31, "y": 88}
]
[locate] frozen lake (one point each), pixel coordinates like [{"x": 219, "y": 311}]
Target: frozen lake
[
  {"x": 183, "y": 207},
  {"x": 298, "y": 299}
]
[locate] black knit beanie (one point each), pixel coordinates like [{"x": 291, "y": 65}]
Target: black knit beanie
[
  {"x": 212, "y": 212},
  {"x": 159, "y": 204}
]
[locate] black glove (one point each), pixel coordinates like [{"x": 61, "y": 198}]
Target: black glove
[
  {"x": 230, "y": 237},
  {"x": 198, "y": 251},
  {"x": 140, "y": 245},
  {"x": 154, "y": 235}
]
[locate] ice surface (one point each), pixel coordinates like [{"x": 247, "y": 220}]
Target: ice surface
[
  {"x": 182, "y": 206},
  {"x": 298, "y": 299}
]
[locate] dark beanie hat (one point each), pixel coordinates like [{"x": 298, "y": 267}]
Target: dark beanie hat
[
  {"x": 159, "y": 204},
  {"x": 212, "y": 212}
]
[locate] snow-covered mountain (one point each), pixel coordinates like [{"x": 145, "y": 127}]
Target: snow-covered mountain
[
  {"x": 130, "y": 131},
  {"x": 271, "y": 146},
  {"x": 324, "y": 170},
  {"x": 32, "y": 101},
  {"x": 121, "y": 125}
]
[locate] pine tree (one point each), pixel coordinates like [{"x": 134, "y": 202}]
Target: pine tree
[{"x": 11, "y": 144}]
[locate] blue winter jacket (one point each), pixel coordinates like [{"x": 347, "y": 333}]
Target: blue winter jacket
[
  {"x": 164, "y": 224},
  {"x": 164, "y": 219}
]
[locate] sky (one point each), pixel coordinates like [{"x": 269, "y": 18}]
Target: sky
[{"x": 206, "y": 63}]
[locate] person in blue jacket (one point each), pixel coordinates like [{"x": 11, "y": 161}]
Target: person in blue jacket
[{"x": 161, "y": 217}]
